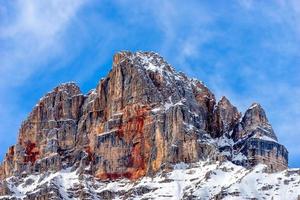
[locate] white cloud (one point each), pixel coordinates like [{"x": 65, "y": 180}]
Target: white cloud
[
  {"x": 32, "y": 32},
  {"x": 184, "y": 27}
]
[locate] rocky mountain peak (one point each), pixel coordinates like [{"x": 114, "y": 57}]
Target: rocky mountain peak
[
  {"x": 143, "y": 118},
  {"x": 225, "y": 118},
  {"x": 149, "y": 61},
  {"x": 255, "y": 115},
  {"x": 59, "y": 93},
  {"x": 53, "y": 104},
  {"x": 224, "y": 102},
  {"x": 255, "y": 124},
  {"x": 70, "y": 87}
]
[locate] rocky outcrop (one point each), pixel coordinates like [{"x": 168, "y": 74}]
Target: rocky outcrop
[
  {"x": 51, "y": 127},
  {"x": 255, "y": 138},
  {"x": 254, "y": 123},
  {"x": 143, "y": 117},
  {"x": 225, "y": 118}
]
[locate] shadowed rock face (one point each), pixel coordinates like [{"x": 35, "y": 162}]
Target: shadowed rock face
[
  {"x": 225, "y": 118},
  {"x": 51, "y": 126},
  {"x": 256, "y": 139},
  {"x": 140, "y": 118},
  {"x": 254, "y": 123}
]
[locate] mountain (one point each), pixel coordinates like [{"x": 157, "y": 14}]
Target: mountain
[{"x": 145, "y": 132}]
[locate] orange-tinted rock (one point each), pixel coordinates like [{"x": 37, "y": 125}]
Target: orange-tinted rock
[
  {"x": 11, "y": 151},
  {"x": 50, "y": 127}
]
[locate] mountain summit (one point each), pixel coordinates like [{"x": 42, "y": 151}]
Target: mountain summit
[{"x": 143, "y": 120}]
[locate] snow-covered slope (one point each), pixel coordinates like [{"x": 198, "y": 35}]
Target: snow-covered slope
[{"x": 202, "y": 180}]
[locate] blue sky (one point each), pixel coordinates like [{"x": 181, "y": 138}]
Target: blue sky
[{"x": 246, "y": 50}]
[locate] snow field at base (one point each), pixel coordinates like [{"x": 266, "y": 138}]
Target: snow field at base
[
  {"x": 203, "y": 180},
  {"x": 64, "y": 179}
]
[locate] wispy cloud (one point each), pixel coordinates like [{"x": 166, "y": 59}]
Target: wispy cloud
[
  {"x": 31, "y": 32},
  {"x": 186, "y": 29}
]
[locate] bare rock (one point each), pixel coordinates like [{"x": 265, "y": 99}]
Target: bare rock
[{"x": 225, "y": 118}]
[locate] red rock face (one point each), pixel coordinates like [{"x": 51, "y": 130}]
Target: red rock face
[
  {"x": 31, "y": 152},
  {"x": 49, "y": 128},
  {"x": 11, "y": 151},
  {"x": 131, "y": 132},
  {"x": 143, "y": 116}
]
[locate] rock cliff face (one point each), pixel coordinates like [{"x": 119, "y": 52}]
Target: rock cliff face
[
  {"x": 51, "y": 127},
  {"x": 142, "y": 118},
  {"x": 225, "y": 118},
  {"x": 256, "y": 139}
]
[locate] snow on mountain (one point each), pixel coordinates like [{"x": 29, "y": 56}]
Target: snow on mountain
[{"x": 201, "y": 180}]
